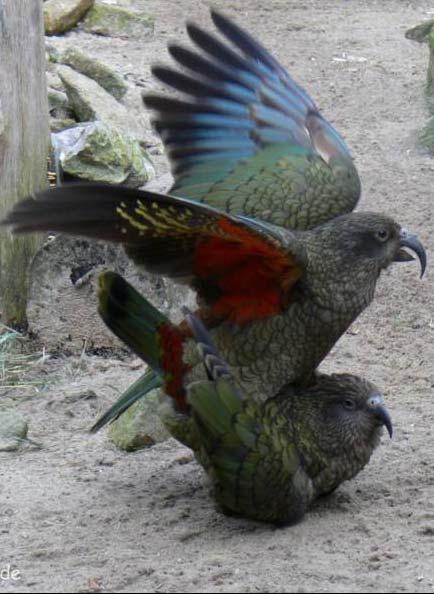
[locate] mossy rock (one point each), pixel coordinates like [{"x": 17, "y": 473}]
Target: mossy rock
[
  {"x": 91, "y": 102},
  {"x": 61, "y": 124},
  {"x": 62, "y": 15},
  {"x": 114, "y": 21},
  {"x": 13, "y": 431},
  {"x": 52, "y": 54},
  {"x": 140, "y": 426},
  {"x": 105, "y": 76},
  {"x": 99, "y": 153}
]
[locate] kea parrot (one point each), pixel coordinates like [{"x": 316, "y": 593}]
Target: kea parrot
[
  {"x": 261, "y": 225},
  {"x": 268, "y": 461}
]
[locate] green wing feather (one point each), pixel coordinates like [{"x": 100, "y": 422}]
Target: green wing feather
[
  {"x": 281, "y": 185},
  {"x": 255, "y": 468},
  {"x": 248, "y": 139}
]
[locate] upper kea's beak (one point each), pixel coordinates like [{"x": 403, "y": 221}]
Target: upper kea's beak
[
  {"x": 411, "y": 241},
  {"x": 378, "y": 409}
]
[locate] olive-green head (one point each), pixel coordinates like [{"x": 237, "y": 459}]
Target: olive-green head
[
  {"x": 346, "y": 255},
  {"x": 342, "y": 412},
  {"x": 369, "y": 238}
]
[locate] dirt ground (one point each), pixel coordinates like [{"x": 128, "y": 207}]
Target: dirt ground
[{"x": 80, "y": 516}]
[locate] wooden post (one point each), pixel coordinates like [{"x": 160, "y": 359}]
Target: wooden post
[{"x": 24, "y": 140}]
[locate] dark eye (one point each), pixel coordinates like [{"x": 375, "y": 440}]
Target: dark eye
[
  {"x": 349, "y": 404},
  {"x": 382, "y": 234}
]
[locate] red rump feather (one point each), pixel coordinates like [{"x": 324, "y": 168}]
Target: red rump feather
[
  {"x": 173, "y": 364},
  {"x": 253, "y": 276}
]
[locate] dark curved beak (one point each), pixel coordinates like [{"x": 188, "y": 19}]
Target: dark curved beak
[
  {"x": 377, "y": 408},
  {"x": 383, "y": 415},
  {"x": 412, "y": 242}
]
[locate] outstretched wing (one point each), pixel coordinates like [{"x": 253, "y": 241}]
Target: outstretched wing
[
  {"x": 253, "y": 463},
  {"x": 241, "y": 269},
  {"x": 249, "y": 140}
]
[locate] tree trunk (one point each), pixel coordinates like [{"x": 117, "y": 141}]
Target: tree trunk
[{"x": 24, "y": 139}]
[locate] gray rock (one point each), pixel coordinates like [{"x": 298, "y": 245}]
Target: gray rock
[
  {"x": 52, "y": 53},
  {"x": 97, "y": 152},
  {"x": 53, "y": 79},
  {"x": 140, "y": 426},
  {"x": 57, "y": 100},
  {"x": 62, "y": 305},
  {"x": 114, "y": 21},
  {"x": 105, "y": 76},
  {"x": 62, "y": 15},
  {"x": 161, "y": 184},
  {"x": 58, "y": 104},
  {"x": 91, "y": 102},
  {"x": 13, "y": 431}
]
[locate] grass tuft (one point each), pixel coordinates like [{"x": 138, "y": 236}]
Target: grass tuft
[{"x": 16, "y": 361}]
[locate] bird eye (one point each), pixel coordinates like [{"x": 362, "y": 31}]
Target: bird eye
[
  {"x": 349, "y": 404},
  {"x": 382, "y": 234}
]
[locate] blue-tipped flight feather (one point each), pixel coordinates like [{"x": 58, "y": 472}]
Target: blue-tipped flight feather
[{"x": 267, "y": 150}]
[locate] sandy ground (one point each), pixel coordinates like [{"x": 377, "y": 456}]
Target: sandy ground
[{"x": 79, "y": 516}]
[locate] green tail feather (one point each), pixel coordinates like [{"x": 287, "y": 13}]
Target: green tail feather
[
  {"x": 136, "y": 322},
  {"x": 131, "y": 317},
  {"x": 147, "y": 382}
]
